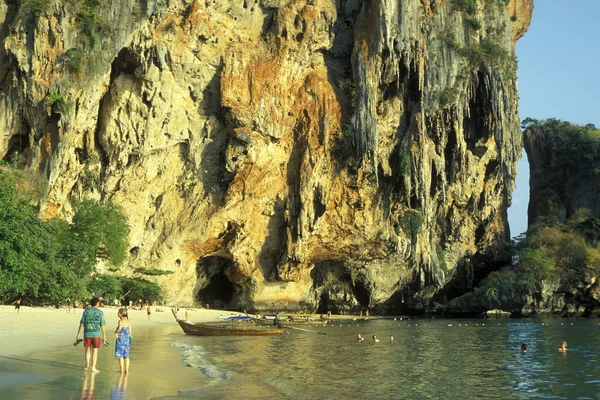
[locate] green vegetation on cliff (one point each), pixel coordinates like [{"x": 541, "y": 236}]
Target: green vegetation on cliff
[
  {"x": 578, "y": 146},
  {"x": 47, "y": 260},
  {"x": 566, "y": 256}
]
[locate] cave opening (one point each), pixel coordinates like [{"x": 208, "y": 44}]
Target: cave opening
[
  {"x": 324, "y": 304},
  {"x": 219, "y": 290},
  {"x": 362, "y": 293},
  {"x": 17, "y": 145}
]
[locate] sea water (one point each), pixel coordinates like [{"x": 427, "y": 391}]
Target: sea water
[{"x": 428, "y": 359}]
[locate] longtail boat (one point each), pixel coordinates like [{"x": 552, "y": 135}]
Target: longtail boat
[
  {"x": 290, "y": 321},
  {"x": 225, "y": 328}
]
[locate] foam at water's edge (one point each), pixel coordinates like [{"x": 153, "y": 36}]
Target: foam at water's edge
[{"x": 194, "y": 356}]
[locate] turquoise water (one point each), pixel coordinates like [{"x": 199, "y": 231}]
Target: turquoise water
[{"x": 429, "y": 359}]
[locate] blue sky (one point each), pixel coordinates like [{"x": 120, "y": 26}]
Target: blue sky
[{"x": 559, "y": 76}]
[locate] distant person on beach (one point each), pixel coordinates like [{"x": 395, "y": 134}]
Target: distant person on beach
[
  {"x": 375, "y": 340},
  {"x": 563, "y": 347},
  {"x": 524, "y": 348},
  {"x": 149, "y": 312},
  {"x": 17, "y": 304},
  {"x": 187, "y": 314},
  {"x": 123, "y": 343},
  {"x": 359, "y": 338},
  {"x": 68, "y": 305},
  {"x": 93, "y": 326}
]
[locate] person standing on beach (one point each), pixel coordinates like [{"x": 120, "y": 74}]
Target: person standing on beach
[
  {"x": 123, "y": 343},
  {"x": 93, "y": 326},
  {"x": 17, "y": 304},
  {"x": 149, "y": 312}
]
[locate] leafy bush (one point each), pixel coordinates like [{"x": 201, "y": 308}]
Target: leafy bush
[
  {"x": 404, "y": 159},
  {"x": 450, "y": 40},
  {"x": 472, "y": 23},
  {"x": 91, "y": 22},
  {"x": 46, "y": 261},
  {"x": 104, "y": 227},
  {"x": 41, "y": 260},
  {"x": 468, "y": 6},
  {"x": 440, "y": 256},
  {"x": 74, "y": 59},
  {"x": 577, "y": 148},
  {"x": 486, "y": 52},
  {"x": 36, "y": 7},
  {"x": 153, "y": 271},
  {"x": 91, "y": 178},
  {"x": 563, "y": 253},
  {"x": 137, "y": 288},
  {"x": 56, "y": 101},
  {"x": 411, "y": 224},
  {"x": 448, "y": 96},
  {"x": 112, "y": 287}
]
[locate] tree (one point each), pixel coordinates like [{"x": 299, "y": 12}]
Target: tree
[
  {"x": 46, "y": 261},
  {"x": 104, "y": 227},
  {"x": 106, "y": 286},
  {"x": 21, "y": 244}
]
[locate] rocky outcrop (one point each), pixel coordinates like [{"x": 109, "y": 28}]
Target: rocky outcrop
[
  {"x": 564, "y": 174},
  {"x": 288, "y": 154}
]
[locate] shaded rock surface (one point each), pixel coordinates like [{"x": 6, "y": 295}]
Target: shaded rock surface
[
  {"x": 320, "y": 154},
  {"x": 560, "y": 183}
]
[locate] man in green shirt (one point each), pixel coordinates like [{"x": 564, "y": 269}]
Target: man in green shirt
[{"x": 93, "y": 326}]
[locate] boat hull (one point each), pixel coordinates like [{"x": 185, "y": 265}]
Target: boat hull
[
  {"x": 216, "y": 330},
  {"x": 285, "y": 322}
]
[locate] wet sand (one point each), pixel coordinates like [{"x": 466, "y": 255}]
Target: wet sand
[
  {"x": 38, "y": 328},
  {"x": 38, "y": 360}
]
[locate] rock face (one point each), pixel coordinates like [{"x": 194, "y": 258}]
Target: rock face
[
  {"x": 278, "y": 154},
  {"x": 560, "y": 183}
]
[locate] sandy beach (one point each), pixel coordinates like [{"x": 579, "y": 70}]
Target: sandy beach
[
  {"x": 37, "y": 357},
  {"x": 38, "y": 328}
]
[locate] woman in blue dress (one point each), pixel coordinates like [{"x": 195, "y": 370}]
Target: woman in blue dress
[{"x": 123, "y": 342}]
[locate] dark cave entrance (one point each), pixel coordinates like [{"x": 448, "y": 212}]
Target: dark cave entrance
[
  {"x": 219, "y": 291},
  {"x": 362, "y": 293},
  {"x": 323, "y": 307}
]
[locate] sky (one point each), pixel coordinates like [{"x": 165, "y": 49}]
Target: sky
[{"x": 559, "y": 77}]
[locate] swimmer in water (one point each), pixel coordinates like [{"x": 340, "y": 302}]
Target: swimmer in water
[
  {"x": 524, "y": 348},
  {"x": 563, "y": 347}
]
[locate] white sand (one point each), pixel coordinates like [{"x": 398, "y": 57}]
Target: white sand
[{"x": 36, "y": 328}]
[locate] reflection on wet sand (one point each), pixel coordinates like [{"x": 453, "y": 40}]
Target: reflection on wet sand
[
  {"x": 117, "y": 392},
  {"x": 87, "y": 388}
]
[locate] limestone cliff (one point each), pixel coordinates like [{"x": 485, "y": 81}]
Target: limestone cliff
[
  {"x": 277, "y": 154},
  {"x": 564, "y": 174}
]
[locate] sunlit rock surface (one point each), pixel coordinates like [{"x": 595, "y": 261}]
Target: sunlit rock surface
[{"x": 319, "y": 155}]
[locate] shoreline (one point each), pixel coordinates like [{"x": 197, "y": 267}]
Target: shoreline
[{"x": 37, "y": 329}]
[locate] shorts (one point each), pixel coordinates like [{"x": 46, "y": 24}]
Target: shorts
[
  {"x": 17, "y": 306},
  {"x": 94, "y": 342}
]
